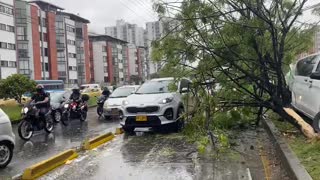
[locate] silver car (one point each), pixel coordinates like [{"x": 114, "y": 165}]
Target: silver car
[
  {"x": 7, "y": 140},
  {"x": 154, "y": 105},
  {"x": 113, "y": 105}
]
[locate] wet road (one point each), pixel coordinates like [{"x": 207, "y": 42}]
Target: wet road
[
  {"x": 168, "y": 156},
  {"x": 43, "y": 145}
]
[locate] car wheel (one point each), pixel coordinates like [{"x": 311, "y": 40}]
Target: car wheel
[
  {"x": 316, "y": 123},
  {"x": 179, "y": 125},
  {"x": 6, "y": 152},
  {"x": 57, "y": 116},
  {"x": 129, "y": 130}
]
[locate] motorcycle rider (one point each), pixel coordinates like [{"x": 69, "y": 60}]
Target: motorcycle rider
[
  {"x": 41, "y": 100},
  {"x": 106, "y": 92},
  {"x": 76, "y": 95}
]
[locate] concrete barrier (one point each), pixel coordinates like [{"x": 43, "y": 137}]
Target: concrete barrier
[
  {"x": 95, "y": 142},
  {"x": 119, "y": 131},
  {"x": 45, "y": 166}
]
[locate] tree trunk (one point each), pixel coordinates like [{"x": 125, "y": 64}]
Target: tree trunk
[{"x": 305, "y": 128}]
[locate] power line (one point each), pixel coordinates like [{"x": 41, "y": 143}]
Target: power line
[{"x": 131, "y": 10}]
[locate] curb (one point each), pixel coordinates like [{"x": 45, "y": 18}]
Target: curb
[
  {"x": 290, "y": 161},
  {"x": 97, "y": 141},
  {"x": 45, "y": 166}
]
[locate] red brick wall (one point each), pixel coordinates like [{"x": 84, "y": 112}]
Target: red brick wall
[
  {"x": 52, "y": 47},
  {"x": 91, "y": 62},
  {"x": 110, "y": 65},
  {"x": 36, "y": 43},
  {"x": 128, "y": 62},
  {"x": 86, "y": 53}
]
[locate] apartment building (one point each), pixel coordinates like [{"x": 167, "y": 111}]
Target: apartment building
[
  {"x": 130, "y": 33},
  {"x": 72, "y": 48},
  {"x": 154, "y": 31},
  {"x": 8, "y": 58},
  {"x": 137, "y": 61},
  {"x": 51, "y": 44},
  {"x": 36, "y": 39},
  {"x": 109, "y": 60}
]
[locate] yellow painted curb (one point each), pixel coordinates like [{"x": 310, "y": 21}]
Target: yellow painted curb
[
  {"x": 119, "y": 131},
  {"x": 45, "y": 166},
  {"x": 95, "y": 142}
]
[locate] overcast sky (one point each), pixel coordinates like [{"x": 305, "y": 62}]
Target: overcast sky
[{"x": 102, "y": 13}]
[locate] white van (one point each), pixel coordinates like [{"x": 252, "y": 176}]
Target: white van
[{"x": 306, "y": 88}]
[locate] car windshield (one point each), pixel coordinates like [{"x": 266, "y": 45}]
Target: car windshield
[
  {"x": 56, "y": 97},
  {"x": 122, "y": 92},
  {"x": 154, "y": 87}
]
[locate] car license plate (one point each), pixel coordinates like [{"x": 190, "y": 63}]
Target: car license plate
[{"x": 141, "y": 118}]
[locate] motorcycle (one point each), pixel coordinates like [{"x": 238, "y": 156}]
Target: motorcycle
[
  {"x": 73, "y": 109},
  {"x": 33, "y": 122},
  {"x": 100, "y": 103}
]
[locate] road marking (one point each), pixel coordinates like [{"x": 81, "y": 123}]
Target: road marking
[
  {"x": 265, "y": 161},
  {"x": 249, "y": 174}
]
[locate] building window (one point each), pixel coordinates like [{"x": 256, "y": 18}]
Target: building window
[
  {"x": 12, "y": 64},
  {"x": 71, "y": 42},
  {"x": 6, "y": 10},
  {"x": 3, "y": 45},
  {"x": 22, "y": 46},
  {"x": 45, "y": 37},
  {"x": 46, "y": 66},
  {"x": 60, "y": 54},
  {"x": 104, "y": 48},
  {"x": 46, "y": 52},
  {"x": 105, "y": 70},
  {"x": 43, "y": 22},
  {"x": 70, "y": 29},
  {"x": 10, "y": 28},
  {"x": 21, "y": 33},
  {"x": 2, "y": 27},
  {"x": 72, "y": 55},
  {"x": 104, "y": 58},
  {"x": 72, "y": 68},
  {"x": 4, "y": 63},
  {"x": 23, "y": 65},
  {"x": 11, "y": 46}
]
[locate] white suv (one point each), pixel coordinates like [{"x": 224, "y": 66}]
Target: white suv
[
  {"x": 306, "y": 88},
  {"x": 7, "y": 140},
  {"x": 153, "y": 105}
]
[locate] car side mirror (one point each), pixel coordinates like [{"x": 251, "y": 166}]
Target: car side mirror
[
  {"x": 184, "y": 90},
  {"x": 315, "y": 75}
]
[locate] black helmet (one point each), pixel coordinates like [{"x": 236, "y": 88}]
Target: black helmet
[{"x": 39, "y": 88}]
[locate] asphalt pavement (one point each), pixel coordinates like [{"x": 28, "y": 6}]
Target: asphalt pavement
[
  {"x": 43, "y": 145},
  {"x": 169, "y": 156}
]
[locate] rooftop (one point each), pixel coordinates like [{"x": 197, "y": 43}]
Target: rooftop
[
  {"x": 100, "y": 37},
  {"x": 74, "y": 17},
  {"x": 44, "y": 3}
]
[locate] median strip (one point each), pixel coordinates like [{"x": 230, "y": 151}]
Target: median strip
[
  {"x": 95, "y": 142},
  {"x": 45, "y": 166}
]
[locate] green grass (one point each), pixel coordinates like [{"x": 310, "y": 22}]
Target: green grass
[
  {"x": 14, "y": 112},
  {"x": 92, "y": 101},
  {"x": 307, "y": 151}
]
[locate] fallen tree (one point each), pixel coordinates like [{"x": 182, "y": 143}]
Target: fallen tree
[{"x": 245, "y": 45}]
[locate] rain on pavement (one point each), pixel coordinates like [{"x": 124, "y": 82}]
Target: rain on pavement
[
  {"x": 168, "y": 156},
  {"x": 145, "y": 155},
  {"x": 43, "y": 145}
]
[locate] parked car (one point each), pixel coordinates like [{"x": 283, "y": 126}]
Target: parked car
[
  {"x": 7, "y": 140},
  {"x": 306, "y": 88},
  {"x": 56, "y": 101},
  {"x": 153, "y": 105},
  {"x": 113, "y": 105},
  {"x": 86, "y": 88}
]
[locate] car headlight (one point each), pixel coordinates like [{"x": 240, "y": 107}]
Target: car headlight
[
  {"x": 166, "y": 100},
  {"x": 125, "y": 102},
  {"x": 66, "y": 106},
  {"x": 25, "y": 110}
]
